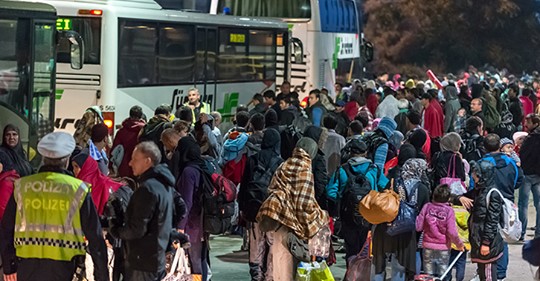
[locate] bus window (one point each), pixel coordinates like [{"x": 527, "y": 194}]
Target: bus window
[
  {"x": 262, "y": 54},
  {"x": 137, "y": 53},
  {"x": 43, "y": 77},
  {"x": 232, "y": 60},
  {"x": 338, "y": 16},
  {"x": 176, "y": 54},
  {"x": 298, "y": 9},
  {"x": 90, "y": 31}
]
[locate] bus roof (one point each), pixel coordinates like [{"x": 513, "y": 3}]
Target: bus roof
[{"x": 27, "y": 7}]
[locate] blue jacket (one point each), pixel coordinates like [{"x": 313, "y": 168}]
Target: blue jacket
[
  {"x": 508, "y": 175},
  {"x": 360, "y": 165}
]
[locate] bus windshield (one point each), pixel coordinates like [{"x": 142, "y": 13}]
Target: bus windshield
[{"x": 293, "y": 9}]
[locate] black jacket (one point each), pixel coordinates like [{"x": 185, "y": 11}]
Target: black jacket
[
  {"x": 529, "y": 152},
  {"x": 288, "y": 115},
  {"x": 484, "y": 220},
  {"x": 441, "y": 163},
  {"x": 149, "y": 220},
  {"x": 50, "y": 270},
  {"x": 318, "y": 164}
]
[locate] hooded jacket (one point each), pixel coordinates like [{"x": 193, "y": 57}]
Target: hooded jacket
[
  {"x": 127, "y": 138},
  {"x": 152, "y": 132},
  {"x": 318, "y": 164},
  {"x": 451, "y": 108},
  {"x": 485, "y": 219},
  {"x": 6, "y": 188},
  {"x": 149, "y": 219}
]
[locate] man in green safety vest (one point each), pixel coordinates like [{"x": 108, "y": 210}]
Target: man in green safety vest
[{"x": 48, "y": 219}]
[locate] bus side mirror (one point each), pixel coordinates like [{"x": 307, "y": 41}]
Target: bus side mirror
[
  {"x": 297, "y": 50},
  {"x": 76, "y": 47},
  {"x": 367, "y": 51}
]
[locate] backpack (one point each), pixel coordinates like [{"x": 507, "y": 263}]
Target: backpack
[
  {"x": 217, "y": 196},
  {"x": 356, "y": 188},
  {"x": 511, "y": 228},
  {"x": 256, "y": 190},
  {"x": 154, "y": 133},
  {"x": 83, "y": 128},
  {"x": 292, "y": 133},
  {"x": 373, "y": 142},
  {"x": 234, "y": 170},
  {"x": 405, "y": 221},
  {"x": 492, "y": 117},
  {"x": 117, "y": 204},
  {"x": 506, "y": 128},
  {"x": 500, "y": 175},
  {"x": 471, "y": 151}
]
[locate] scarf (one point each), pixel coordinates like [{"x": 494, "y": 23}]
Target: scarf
[
  {"x": 291, "y": 197},
  {"x": 413, "y": 171}
]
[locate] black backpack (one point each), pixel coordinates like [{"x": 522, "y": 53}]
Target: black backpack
[
  {"x": 356, "y": 188},
  {"x": 373, "y": 142},
  {"x": 470, "y": 149},
  {"x": 256, "y": 190},
  {"x": 117, "y": 204}
]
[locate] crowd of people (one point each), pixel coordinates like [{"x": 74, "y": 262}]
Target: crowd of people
[{"x": 299, "y": 171}]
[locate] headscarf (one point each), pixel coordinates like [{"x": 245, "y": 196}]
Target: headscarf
[
  {"x": 189, "y": 153},
  {"x": 308, "y": 145},
  {"x": 101, "y": 185},
  {"x": 16, "y": 154},
  {"x": 406, "y": 152},
  {"x": 396, "y": 139},
  {"x": 413, "y": 171},
  {"x": 451, "y": 142}
]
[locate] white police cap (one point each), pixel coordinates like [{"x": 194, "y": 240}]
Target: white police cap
[{"x": 56, "y": 145}]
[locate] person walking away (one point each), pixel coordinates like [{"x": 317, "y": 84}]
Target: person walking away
[
  {"x": 49, "y": 254},
  {"x": 448, "y": 163},
  {"x": 318, "y": 163},
  {"x": 486, "y": 214},
  {"x": 438, "y": 222},
  {"x": 291, "y": 208},
  {"x": 97, "y": 145},
  {"x": 155, "y": 126},
  {"x": 83, "y": 130},
  {"x": 189, "y": 183},
  {"x": 334, "y": 144},
  {"x": 462, "y": 217},
  {"x": 253, "y": 190},
  {"x": 149, "y": 215},
  {"x": 432, "y": 118},
  {"x": 473, "y": 141},
  {"x": 11, "y": 145},
  {"x": 86, "y": 169},
  {"x": 529, "y": 152},
  {"x": 508, "y": 178},
  {"x": 451, "y": 108},
  {"x": 125, "y": 141}
]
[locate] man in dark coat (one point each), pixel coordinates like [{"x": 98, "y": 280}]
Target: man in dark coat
[{"x": 149, "y": 215}]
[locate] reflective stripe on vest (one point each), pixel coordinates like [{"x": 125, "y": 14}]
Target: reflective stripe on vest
[{"x": 48, "y": 223}]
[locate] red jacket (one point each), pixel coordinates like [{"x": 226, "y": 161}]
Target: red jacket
[
  {"x": 6, "y": 189},
  {"x": 127, "y": 136}
]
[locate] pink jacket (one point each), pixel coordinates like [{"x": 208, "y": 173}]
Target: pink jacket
[{"x": 438, "y": 222}]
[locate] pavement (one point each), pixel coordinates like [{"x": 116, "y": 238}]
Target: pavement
[{"x": 229, "y": 263}]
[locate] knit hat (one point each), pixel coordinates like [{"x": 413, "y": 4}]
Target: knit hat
[
  {"x": 99, "y": 132},
  {"x": 518, "y": 135},
  {"x": 387, "y": 126},
  {"x": 505, "y": 141},
  {"x": 450, "y": 142},
  {"x": 56, "y": 145},
  {"x": 309, "y": 146},
  {"x": 356, "y": 146}
]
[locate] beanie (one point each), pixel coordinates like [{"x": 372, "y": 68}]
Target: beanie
[
  {"x": 388, "y": 126},
  {"x": 505, "y": 141}
]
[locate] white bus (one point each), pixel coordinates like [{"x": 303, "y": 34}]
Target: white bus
[
  {"x": 27, "y": 69},
  {"x": 137, "y": 53},
  {"x": 328, "y": 30}
]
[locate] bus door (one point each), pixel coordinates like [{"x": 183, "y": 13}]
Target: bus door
[{"x": 205, "y": 74}]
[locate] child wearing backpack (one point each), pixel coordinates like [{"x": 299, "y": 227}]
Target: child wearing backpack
[{"x": 438, "y": 222}]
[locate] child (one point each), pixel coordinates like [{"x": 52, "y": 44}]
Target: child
[
  {"x": 462, "y": 217},
  {"x": 459, "y": 124},
  {"x": 507, "y": 147},
  {"x": 438, "y": 222},
  {"x": 486, "y": 241}
]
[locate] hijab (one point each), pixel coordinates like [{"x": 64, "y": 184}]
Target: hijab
[
  {"x": 414, "y": 171},
  {"x": 16, "y": 154},
  {"x": 101, "y": 185},
  {"x": 189, "y": 153},
  {"x": 451, "y": 142},
  {"x": 406, "y": 152}
]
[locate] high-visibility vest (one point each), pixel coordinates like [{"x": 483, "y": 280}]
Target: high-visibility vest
[
  {"x": 205, "y": 108},
  {"x": 48, "y": 222}
]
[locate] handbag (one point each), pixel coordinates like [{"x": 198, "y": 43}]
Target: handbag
[
  {"x": 405, "y": 221},
  {"x": 359, "y": 268},
  {"x": 457, "y": 187},
  {"x": 180, "y": 270},
  {"x": 314, "y": 271},
  {"x": 298, "y": 247},
  {"x": 379, "y": 207}
]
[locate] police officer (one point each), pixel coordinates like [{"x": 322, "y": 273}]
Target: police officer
[{"x": 48, "y": 218}]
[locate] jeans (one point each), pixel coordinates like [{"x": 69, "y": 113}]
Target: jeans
[
  {"x": 459, "y": 265},
  {"x": 436, "y": 261},
  {"x": 398, "y": 271},
  {"x": 530, "y": 184},
  {"x": 502, "y": 263}
]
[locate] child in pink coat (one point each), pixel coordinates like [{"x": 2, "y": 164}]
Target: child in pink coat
[{"x": 438, "y": 222}]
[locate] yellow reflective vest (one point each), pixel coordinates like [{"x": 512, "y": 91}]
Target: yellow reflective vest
[
  {"x": 48, "y": 222},
  {"x": 205, "y": 108}
]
